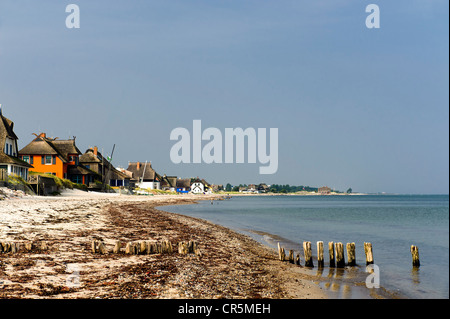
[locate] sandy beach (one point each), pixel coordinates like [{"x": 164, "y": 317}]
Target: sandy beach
[{"x": 231, "y": 265}]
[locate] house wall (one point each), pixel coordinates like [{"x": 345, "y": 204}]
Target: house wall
[
  {"x": 59, "y": 168},
  {"x": 151, "y": 185},
  {"x": 10, "y": 147},
  {"x": 17, "y": 170}
]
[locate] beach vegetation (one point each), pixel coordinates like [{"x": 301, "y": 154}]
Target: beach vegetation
[
  {"x": 17, "y": 182},
  {"x": 62, "y": 183}
]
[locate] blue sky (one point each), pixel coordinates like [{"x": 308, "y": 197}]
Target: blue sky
[{"x": 355, "y": 107}]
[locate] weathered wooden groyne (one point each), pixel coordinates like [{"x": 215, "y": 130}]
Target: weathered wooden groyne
[
  {"x": 144, "y": 247},
  {"x": 336, "y": 253}
]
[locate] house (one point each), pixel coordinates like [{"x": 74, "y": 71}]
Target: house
[
  {"x": 263, "y": 188},
  {"x": 56, "y": 157},
  {"x": 105, "y": 172},
  {"x": 324, "y": 190},
  {"x": 50, "y": 155},
  {"x": 10, "y": 161},
  {"x": 143, "y": 175},
  {"x": 207, "y": 186},
  {"x": 197, "y": 186},
  {"x": 252, "y": 188},
  {"x": 217, "y": 188},
  {"x": 168, "y": 182},
  {"x": 183, "y": 185},
  {"x": 243, "y": 189}
]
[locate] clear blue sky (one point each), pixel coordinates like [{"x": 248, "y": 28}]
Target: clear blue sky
[{"x": 355, "y": 107}]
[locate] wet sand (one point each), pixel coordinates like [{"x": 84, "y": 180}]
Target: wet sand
[{"x": 231, "y": 265}]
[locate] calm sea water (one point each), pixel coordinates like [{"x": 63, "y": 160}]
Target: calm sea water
[{"x": 392, "y": 223}]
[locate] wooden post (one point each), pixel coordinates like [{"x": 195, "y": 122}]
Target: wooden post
[
  {"x": 415, "y": 256},
  {"x": 320, "y": 262},
  {"x": 153, "y": 248},
  {"x": 297, "y": 259},
  {"x": 191, "y": 246},
  {"x": 183, "y": 248},
  {"x": 291, "y": 256},
  {"x": 117, "y": 246},
  {"x": 101, "y": 248},
  {"x": 14, "y": 248},
  {"x": 308, "y": 254},
  {"x": 351, "y": 254},
  {"x": 94, "y": 246},
  {"x": 281, "y": 253},
  {"x": 169, "y": 247},
  {"x": 331, "y": 253},
  {"x": 28, "y": 246},
  {"x": 143, "y": 247},
  {"x": 129, "y": 249},
  {"x": 369, "y": 253},
  {"x": 44, "y": 246},
  {"x": 340, "y": 261}
]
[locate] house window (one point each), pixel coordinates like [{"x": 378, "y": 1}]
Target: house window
[
  {"x": 26, "y": 158},
  {"x": 73, "y": 158},
  {"x": 48, "y": 160},
  {"x": 77, "y": 179}
]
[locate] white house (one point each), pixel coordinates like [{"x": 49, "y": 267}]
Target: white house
[
  {"x": 143, "y": 175},
  {"x": 9, "y": 156},
  {"x": 197, "y": 187}
]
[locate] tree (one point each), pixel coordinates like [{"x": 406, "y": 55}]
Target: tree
[
  {"x": 349, "y": 190},
  {"x": 228, "y": 187}
]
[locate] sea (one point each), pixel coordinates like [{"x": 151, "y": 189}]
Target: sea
[{"x": 392, "y": 223}]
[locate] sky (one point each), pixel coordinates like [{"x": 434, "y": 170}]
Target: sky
[{"x": 359, "y": 107}]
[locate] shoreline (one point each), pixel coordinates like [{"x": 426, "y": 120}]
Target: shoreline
[
  {"x": 232, "y": 265},
  {"x": 336, "y": 283}
]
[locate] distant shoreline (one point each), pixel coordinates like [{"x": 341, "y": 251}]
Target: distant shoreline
[{"x": 291, "y": 194}]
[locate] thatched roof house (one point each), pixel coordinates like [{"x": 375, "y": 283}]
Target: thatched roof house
[
  {"x": 184, "y": 184},
  {"x": 9, "y": 155},
  {"x": 142, "y": 171},
  {"x": 93, "y": 160},
  {"x": 65, "y": 150},
  {"x": 168, "y": 182},
  {"x": 57, "y": 157}
]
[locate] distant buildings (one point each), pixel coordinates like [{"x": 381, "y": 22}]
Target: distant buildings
[
  {"x": 255, "y": 189},
  {"x": 62, "y": 158},
  {"x": 324, "y": 190}
]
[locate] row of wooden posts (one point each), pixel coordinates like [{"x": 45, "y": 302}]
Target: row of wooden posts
[
  {"x": 14, "y": 247},
  {"x": 336, "y": 254},
  {"x": 147, "y": 247},
  {"x": 98, "y": 247}
]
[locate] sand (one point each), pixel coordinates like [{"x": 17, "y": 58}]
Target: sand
[{"x": 231, "y": 265}]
